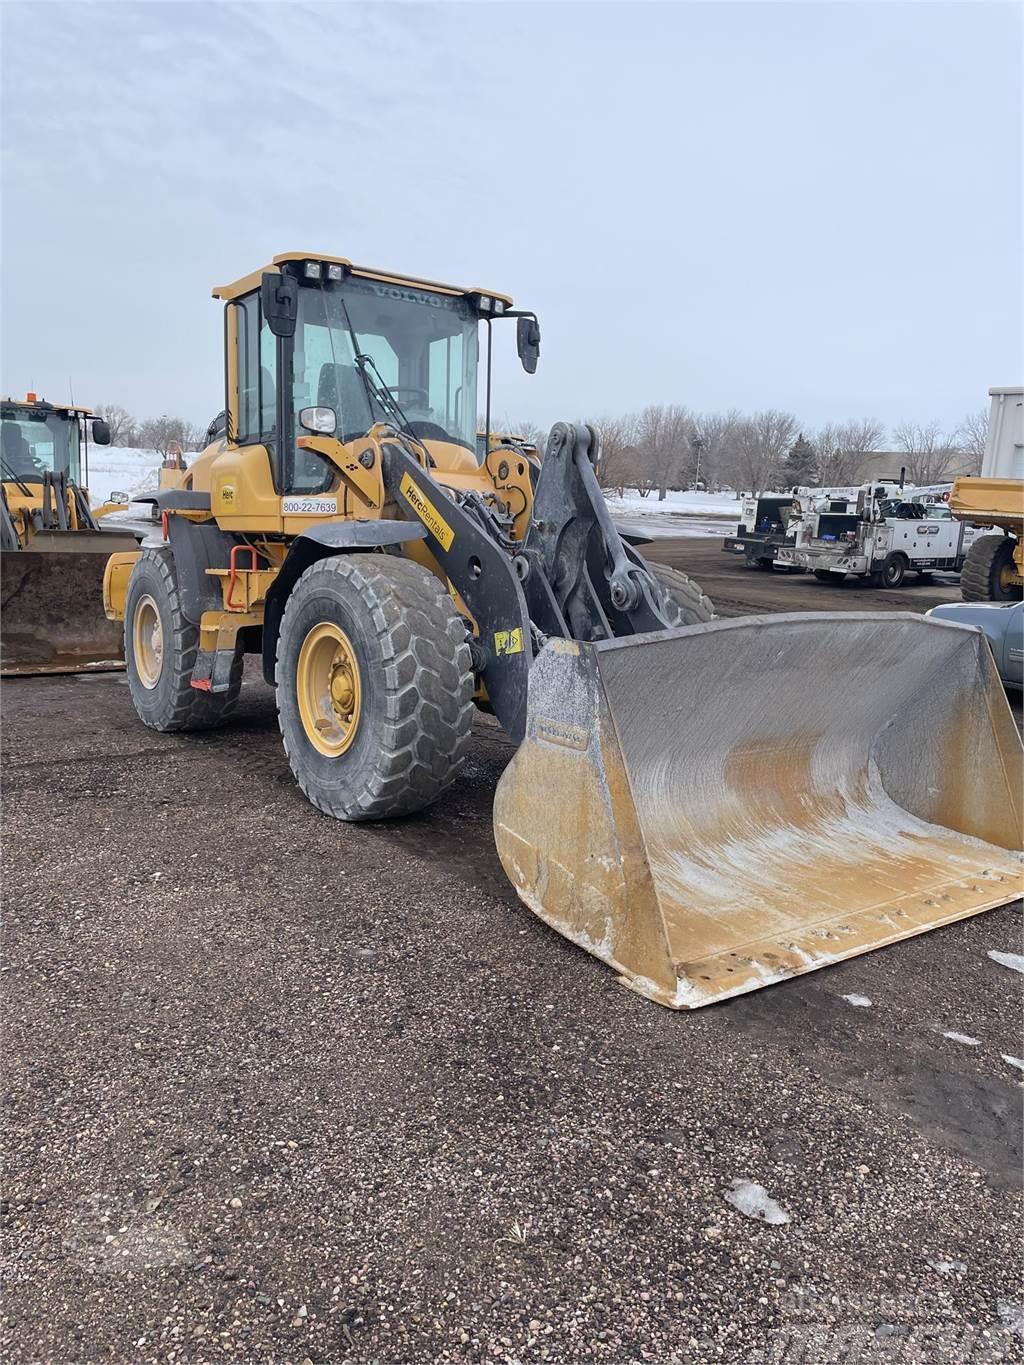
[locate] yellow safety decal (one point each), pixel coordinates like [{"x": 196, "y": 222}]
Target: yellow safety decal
[
  {"x": 508, "y": 641},
  {"x": 427, "y": 512}
]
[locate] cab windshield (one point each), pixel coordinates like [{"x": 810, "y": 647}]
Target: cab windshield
[
  {"x": 423, "y": 345},
  {"x": 34, "y": 443}
]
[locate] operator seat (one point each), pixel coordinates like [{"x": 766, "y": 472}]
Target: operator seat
[{"x": 341, "y": 388}]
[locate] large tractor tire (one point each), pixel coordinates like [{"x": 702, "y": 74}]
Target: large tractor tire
[
  {"x": 160, "y": 647},
  {"x": 988, "y": 572},
  {"x": 686, "y": 597},
  {"x": 374, "y": 686}
]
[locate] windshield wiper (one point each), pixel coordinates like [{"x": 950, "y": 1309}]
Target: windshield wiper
[
  {"x": 9, "y": 473},
  {"x": 376, "y": 390}
]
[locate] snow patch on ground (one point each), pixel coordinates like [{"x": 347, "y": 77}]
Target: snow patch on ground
[
  {"x": 1012, "y": 960},
  {"x": 1018, "y": 1062},
  {"x": 949, "y": 1267},
  {"x": 861, "y": 1001},
  {"x": 123, "y": 469},
  {"x": 964, "y": 1038},
  {"x": 754, "y": 1201},
  {"x": 680, "y": 504},
  {"x": 1011, "y": 1313}
]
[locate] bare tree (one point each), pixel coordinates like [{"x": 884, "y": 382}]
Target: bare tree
[
  {"x": 841, "y": 447},
  {"x": 159, "y": 433},
  {"x": 530, "y": 432},
  {"x": 121, "y": 423},
  {"x": 619, "y": 458},
  {"x": 970, "y": 437},
  {"x": 663, "y": 441},
  {"x": 928, "y": 454},
  {"x": 762, "y": 442},
  {"x": 716, "y": 431}
]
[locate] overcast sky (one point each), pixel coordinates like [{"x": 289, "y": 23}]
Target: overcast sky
[{"x": 809, "y": 206}]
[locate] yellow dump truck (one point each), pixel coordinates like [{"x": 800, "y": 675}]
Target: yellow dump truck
[
  {"x": 994, "y": 568},
  {"x": 54, "y": 549},
  {"x": 708, "y": 806}
]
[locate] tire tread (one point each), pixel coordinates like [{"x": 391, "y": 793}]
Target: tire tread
[
  {"x": 429, "y": 680},
  {"x": 189, "y": 708}
]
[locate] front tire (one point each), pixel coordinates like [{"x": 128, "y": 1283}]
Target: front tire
[
  {"x": 686, "y": 599},
  {"x": 988, "y": 572},
  {"x": 160, "y": 647},
  {"x": 374, "y": 686}
]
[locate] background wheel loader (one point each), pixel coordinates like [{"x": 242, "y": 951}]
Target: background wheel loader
[
  {"x": 54, "y": 550},
  {"x": 709, "y": 806},
  {"x": 994, "y": 568}
]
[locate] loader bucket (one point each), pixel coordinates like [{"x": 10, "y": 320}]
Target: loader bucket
[
  {"x": 720, "y": 807},
  {"x": 51, "y": 605}
]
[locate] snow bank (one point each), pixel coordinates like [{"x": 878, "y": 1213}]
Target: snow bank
[
  {"x": 123, "y": 469},
  {"x": 678, "y": 504}
]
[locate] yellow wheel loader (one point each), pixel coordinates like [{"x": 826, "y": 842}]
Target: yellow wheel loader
[
  {"x": 994, "y": 568},
  {"x": 54, "y": 550},
  {"x": 707, "y": 805}
]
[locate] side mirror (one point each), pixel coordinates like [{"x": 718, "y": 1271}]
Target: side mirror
[
  {"x": 100, "y": 432},
  {"x": 528, "y": 343},
  {"x": 321, "y": 420},
  {"x": 121, "y": 498},
  {"x": 279, "y": 298}
]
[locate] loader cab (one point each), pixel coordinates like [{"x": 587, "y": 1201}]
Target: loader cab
[
  {"x": 37, "y": 439},
  {"x": 320, "y": 333}
]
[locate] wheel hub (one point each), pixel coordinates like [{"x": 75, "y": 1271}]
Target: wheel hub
[
  {"x": 148, "y": 642},
  {"x": 328, "y": 689}
]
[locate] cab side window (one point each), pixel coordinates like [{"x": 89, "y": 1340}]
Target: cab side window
[
  {"x": 257, "y": 374},
  {"x": 248, "y": 323}
]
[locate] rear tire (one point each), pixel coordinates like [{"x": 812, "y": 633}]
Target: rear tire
[
  {"x": 892, "y": 572},
  {"x": 160, "y": 647},
  {"x": 685, "y": 597},
  {"x": 987, "y": 569},
  {"x": 405, "y": 674},
  {"x": 823, "y": 575}
]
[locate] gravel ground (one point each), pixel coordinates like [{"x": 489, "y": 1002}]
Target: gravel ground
[{"x": 281, "y": 1090}]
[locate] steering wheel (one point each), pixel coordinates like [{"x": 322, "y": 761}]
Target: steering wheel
[{"x": 409, "y": 390}]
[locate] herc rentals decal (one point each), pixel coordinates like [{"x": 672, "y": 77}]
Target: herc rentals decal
[{"x": 426, "y": 511}]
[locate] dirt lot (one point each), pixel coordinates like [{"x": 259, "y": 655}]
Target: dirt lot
[{"x": 284, "y": 1090}]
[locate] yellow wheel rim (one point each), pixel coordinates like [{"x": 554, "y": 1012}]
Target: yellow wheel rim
[
  {"x": 148, "y": 642},
  {"x": 328, "y": 689},
  {"x": 1007, "y": 575}
]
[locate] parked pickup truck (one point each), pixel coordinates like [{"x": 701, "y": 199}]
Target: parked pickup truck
[{"x": 1004, "y": 626}]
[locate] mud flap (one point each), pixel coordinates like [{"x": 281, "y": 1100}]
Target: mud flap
[
  {"x": 51, "y": 605},
  {"x": 719, "y": 807}
]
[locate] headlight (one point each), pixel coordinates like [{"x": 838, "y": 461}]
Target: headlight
[
  {"x": 335, "y": 272},
  {"x": 312, "y": 270}
]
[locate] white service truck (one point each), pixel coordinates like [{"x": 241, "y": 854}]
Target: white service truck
[{"x": 887, "y": 532}]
